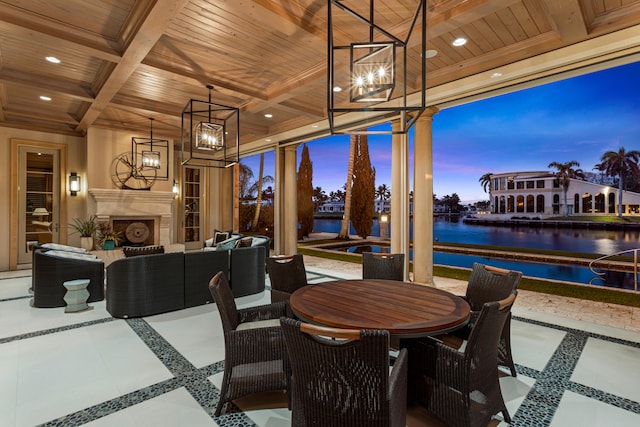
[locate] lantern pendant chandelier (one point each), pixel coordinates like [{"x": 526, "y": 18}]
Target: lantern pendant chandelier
[
  {"x": 210, "y": 134},
  {"x": 148, "y": 151},
  {"x": 386, "y": 75}
]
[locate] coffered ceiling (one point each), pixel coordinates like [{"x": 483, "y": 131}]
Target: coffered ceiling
[{"x": 124, "y": 61}]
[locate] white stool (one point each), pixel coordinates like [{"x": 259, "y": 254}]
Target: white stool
[{"x": 76, "y": 296}]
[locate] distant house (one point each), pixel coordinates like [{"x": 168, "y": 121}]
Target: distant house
[{"x": 539, "y": 194}]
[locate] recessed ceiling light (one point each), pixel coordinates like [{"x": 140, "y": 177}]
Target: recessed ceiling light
[
  {"x": 45, "y": 98},
  {"x": 430, "y": 53},
  {"x": 314, "y": 126},
  {"x": 337, "y": 89},
  {"x": 53, "y": 59},
  {"x": 496, "y": 74},
  {"x": 268, "y": 116},
  {"x": 460, "y": 41},
  {"x": 268, "y": 139}
]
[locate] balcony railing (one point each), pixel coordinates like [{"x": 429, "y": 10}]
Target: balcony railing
[{"x": 595, "y": 262}]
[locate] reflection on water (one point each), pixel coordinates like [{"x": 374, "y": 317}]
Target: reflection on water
[{"x": 565, "y": 273}]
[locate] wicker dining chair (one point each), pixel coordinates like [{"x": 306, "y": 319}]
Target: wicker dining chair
[
  {"x": 341, "y": 378},
  {"x": 286, "y": 274},
  {"x": 486, "y": 284},
  {"x": 461, "y": 387},
  {"x": 382, "y": 266},
  {"x": 256, "y": 358}
]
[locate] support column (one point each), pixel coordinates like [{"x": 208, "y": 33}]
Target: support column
[
  {"x": 290, "y": 202},
  {"x": 400, "y": 195},
  {"x": 278, "y": 189},
  {"x": 423, "y": 199}
]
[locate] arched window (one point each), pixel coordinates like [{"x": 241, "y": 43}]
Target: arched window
[
  {"x": 540, "y": 203},
  {"x": 510, "y": 204},
  {"x": 576, "y": 203},
  {"x": 586, "y": 203},
  {"x": 496, "y": 205},
  {"x": 612, "y": 203},
  {"x": 530, "y": 203},
  {"x": 599, "y": 203},
  {"x": 556, "y": 204},
  {"x": 502, "y": 205}
]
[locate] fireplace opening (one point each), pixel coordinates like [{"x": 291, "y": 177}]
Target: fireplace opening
[{"x": 135, "y": 231}]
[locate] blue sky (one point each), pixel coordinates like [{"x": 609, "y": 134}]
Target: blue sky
[{"x": 574, "y": 119}]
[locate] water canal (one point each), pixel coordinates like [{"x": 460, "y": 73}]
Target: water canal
[{"x": 575, "y": 240}]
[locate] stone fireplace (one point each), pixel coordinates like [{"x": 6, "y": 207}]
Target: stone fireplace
[{"x": 121, "y": 208}]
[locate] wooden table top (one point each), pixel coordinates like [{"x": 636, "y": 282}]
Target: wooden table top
[{"x": 404, "y": 309}]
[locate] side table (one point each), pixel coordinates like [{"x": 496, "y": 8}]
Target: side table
[{"x": 76, "y": 296}]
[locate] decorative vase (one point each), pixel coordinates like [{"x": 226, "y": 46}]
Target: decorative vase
[
  {"x": 86, "y": 243},
  {"x": 108, "y": 245}
]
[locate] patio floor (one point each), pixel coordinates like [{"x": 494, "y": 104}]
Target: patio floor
[{"x": 578, "y": 363}]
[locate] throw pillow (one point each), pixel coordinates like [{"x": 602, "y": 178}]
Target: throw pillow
[
  {"x": 73, "y": 255},
  {"x": 220, "y": 236},
  {"x": 245, "y": 242}
]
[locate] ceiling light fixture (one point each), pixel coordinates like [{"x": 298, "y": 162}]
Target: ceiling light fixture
[
  {"x": 460, "y": 41},
  {"x": 146, "y": 153},
  {"x": 268, "y": 116},
  {"x": 210, "y": 133},
  {"x": 53, "y": 59},
  {"x": 45, "y": 98},
  {"x": 377, "y": 77}
]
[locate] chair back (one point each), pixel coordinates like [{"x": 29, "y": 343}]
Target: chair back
[
  {"x": 340, "y": 381},
  {"x": 481, "y": 352},
  {"x": 488, "y": 283},
  {"x": 286, "y": 274},
  {"x": 382, "y": 266},
  {"x": 222, "y": 295}
]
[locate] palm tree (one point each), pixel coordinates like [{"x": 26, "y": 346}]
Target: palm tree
[
  {"x": 346, "y": 217},
  {"x": 383, "y": 192},
  {"x": 621, "y": 164},
  {"x": 485, "y": 181},
  {"x": 256, "y": 216},
  {"x": 566, "y": 171}
]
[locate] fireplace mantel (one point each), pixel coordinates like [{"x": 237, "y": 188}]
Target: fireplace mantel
[{"x": 111, "y": 203}]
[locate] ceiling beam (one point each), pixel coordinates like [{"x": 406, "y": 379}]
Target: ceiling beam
[
  {"x": 32, "y": 81},
  {"x": 148, "y": 34},
  {"x": 567, "y": 19}
]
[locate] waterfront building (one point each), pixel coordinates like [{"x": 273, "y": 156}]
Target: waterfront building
[{"x": 540, "y": 195}]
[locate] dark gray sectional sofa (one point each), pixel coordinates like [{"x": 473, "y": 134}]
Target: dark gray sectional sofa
[{"x": 152, "y": 284}]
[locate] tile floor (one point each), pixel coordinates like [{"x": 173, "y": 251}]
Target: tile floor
[{"x": 91, "y": 369}]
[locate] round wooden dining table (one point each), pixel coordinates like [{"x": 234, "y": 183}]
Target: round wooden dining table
[{"x": 404, "y": 309}]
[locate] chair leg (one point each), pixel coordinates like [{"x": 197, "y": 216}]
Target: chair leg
[
  {"x": 505, "y": 357},
  {"x": 219, "y": 408},
  {"x": 505, "y": 415}
]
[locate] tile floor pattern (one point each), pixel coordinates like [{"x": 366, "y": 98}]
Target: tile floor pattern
[{"x": 88, "y": 368}]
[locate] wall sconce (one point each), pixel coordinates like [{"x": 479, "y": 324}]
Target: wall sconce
[
  {"x": 74, "y": 183},
  {"x": 383, "y": 69},
  {"x": 210, "y": 133},
  {"x": 176, "y": 188}
]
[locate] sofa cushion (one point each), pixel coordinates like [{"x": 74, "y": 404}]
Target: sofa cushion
[
  {"x": 59, "y": 247},
  {"x": 230, "y": 243},
  {"x": 73, "y": 255}
]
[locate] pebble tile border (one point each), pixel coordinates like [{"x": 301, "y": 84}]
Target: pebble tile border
[{"x": 537, "y": 409}]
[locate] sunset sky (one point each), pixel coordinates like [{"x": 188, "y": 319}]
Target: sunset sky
[{"x": 575, "y": 119}]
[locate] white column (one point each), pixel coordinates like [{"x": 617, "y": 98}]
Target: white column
[
  {"x": 423, "y": 199},
  {"x": 290, "y": 199},
  {"x": 400, "y": 195}
]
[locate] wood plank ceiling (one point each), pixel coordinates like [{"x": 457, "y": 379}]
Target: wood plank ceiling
[{"x": 124, "y": 61}]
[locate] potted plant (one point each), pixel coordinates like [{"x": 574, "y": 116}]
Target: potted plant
[
  {"x": 108, "y": 238},
  {"x": 87, "y": 230}
]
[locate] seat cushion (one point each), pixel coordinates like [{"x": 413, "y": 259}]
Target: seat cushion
[{"x": 258, "y": 324}]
